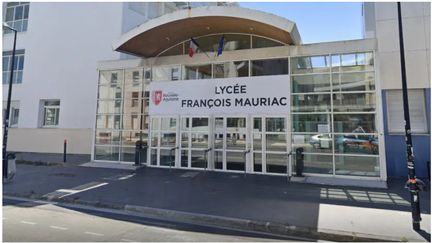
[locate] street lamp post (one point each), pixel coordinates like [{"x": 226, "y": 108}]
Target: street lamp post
[
  {"x": 413, "y": 184},
  {"x": 6, "y": 119}
]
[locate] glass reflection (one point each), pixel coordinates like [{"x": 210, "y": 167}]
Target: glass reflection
[
  {"x": 356, "y": 144},
  {"x": 276, "y": 163},
  {"x": 257, "y": 162},
  {"x": 199, "y": 140},
  {"x": 276, "y": 142},
  {"x": 316, "y": 123},
  {"x": 311, "y": 103},
  {"x": 231, "y": 69},
  {"x": 235, "y": 161},
  {"x": 357, "y": 166},
  {"x": 168, "y": 139},
  {"x": 353, "y": 81},
  {"x": 109, "y": 153},
  {"x": 198, "y": 159},
  {"x": 316, "y": 143},
  {"x": 311, "y": 83},
  {"x": 276, "y": 124},
  {"x": 354, "y": 102},
  {"x": 354, "y": 123},
  {"x": 269, "y": 67},
  {"x": 107, "y": 137},
  {"x": 316, "y": 163}
]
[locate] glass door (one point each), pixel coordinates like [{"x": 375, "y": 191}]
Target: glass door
[
  {"x": 163, "y": 142},
  {"x": 230, "y": 143},
  {"x": 194, "y": 142}
]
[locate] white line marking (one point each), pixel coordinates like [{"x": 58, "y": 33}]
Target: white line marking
[
  {"x": 126, "y": 177},
  {"x": 28, "y": 222},
  {"x": 58, "y": 227},
  {"x": 66, "y": 190},
  {"x": 127, "y": 240},
  {"x": 85, "y": 189},
  {"x": 93, "y": 233}
]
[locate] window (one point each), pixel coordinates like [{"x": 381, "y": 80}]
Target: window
[
  {"x": 17, "y": 16},
  {"x": 51, "y": 110},
  {"x": 417, "y": 110},
  {"x": 197, "y": 72},
  {"x": 269, "y": 67},
  {"x": 14, "y": 112},
  {"x": 231, "y": 69},
  {"x": 18, "y": 66}
]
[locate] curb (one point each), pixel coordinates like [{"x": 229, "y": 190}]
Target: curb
[{"x": 270, "y": 228}]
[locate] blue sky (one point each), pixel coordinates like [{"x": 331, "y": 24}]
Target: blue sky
[{"x": 318, "y": 21}]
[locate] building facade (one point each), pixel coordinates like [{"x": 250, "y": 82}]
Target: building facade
[{"x": 338, "y": 101}]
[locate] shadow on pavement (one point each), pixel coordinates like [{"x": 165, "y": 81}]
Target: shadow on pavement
[{"x": 252, "y": 197}]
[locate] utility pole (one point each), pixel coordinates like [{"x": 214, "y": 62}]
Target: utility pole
[
  {"x": 6, "y": 119},
  {"x": 412, "y": 183}
]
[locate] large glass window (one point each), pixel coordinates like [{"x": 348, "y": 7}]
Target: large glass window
[
  {"x": 17, "y": 69},
  {"x": 310, "y": 64},
  {"x": 231, "y": 69},
  {"x": 197, "y": 72},
  {"x": 121, "y": 118},
  {"x": 260, "y": 42},
  {"x": 334, "y": 114},
  {"x": 17, "y": 16},
  {"x": 269, "y": 67}
]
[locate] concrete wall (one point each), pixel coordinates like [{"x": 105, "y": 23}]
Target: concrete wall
[
  {"x": 50, "y": 140},
  {"x": 63, "y": 44},
  {"x": 416, "y": 20}
]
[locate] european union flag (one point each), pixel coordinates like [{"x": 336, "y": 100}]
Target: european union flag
[{"x": 221, "y": 45}]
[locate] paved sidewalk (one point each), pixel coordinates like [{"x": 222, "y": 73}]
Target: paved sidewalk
[{"x": 251, "y": 202}]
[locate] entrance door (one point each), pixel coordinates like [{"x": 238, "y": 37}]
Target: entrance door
[
  {"x": 230, "y": 143},
  {"x": 194, "y": 142}
]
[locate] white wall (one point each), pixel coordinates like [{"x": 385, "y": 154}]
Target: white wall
[
  {"x": 416, "y": 20},
  {"x": 63, "y": 44}
]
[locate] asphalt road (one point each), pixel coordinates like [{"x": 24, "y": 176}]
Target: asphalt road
[{"x": 30, "y": 221}]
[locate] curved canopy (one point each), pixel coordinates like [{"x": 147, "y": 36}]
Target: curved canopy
[{"x": 156, "y": 35}]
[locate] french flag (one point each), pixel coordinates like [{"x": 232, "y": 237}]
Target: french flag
[{"x": 193, "y": 47}]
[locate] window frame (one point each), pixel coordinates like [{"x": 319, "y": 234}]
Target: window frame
[
  {"x": 13, "y": 6},
  {"x": 391, "y": 130},
  {"x": 45, "y": 108},
  {"x": 18, "y": 66}
]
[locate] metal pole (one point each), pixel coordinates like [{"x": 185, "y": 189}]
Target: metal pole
[
  {"x": 412, "y": 182},
  {"x": 64, "y": 150},
  {"x": 6, "y": 120}
]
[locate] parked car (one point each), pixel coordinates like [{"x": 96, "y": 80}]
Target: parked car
[
  {"x": 321, "y": 141},
  {"x": 357, "y": 143}
]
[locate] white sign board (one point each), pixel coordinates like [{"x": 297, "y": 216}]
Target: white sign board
[{"x": 249, "y": 95}]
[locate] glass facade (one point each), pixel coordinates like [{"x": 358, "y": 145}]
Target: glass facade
[
  {"x": 333, "y": 113},
  {"x": 332, "y": 117},
  {"x": 232, "y": 42}
]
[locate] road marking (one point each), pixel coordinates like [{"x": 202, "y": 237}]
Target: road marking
[
  {"x": 127, "y": 240},
  {"x": 28, "y": 222},
  {"x": 4, "y": 218},
  {"x": 66, "y": 190},
  {"x": 58, "y": 227},
  {"x": 85, "y": 189},
  {"x": 126, "y": 177},
  {"x": 93, "y": 233}
]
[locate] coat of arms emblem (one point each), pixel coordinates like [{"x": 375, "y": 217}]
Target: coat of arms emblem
[{"x": 157, "y": 97}]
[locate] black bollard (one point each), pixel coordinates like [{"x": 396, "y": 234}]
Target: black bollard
[{"x": 64, "y": 150}]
